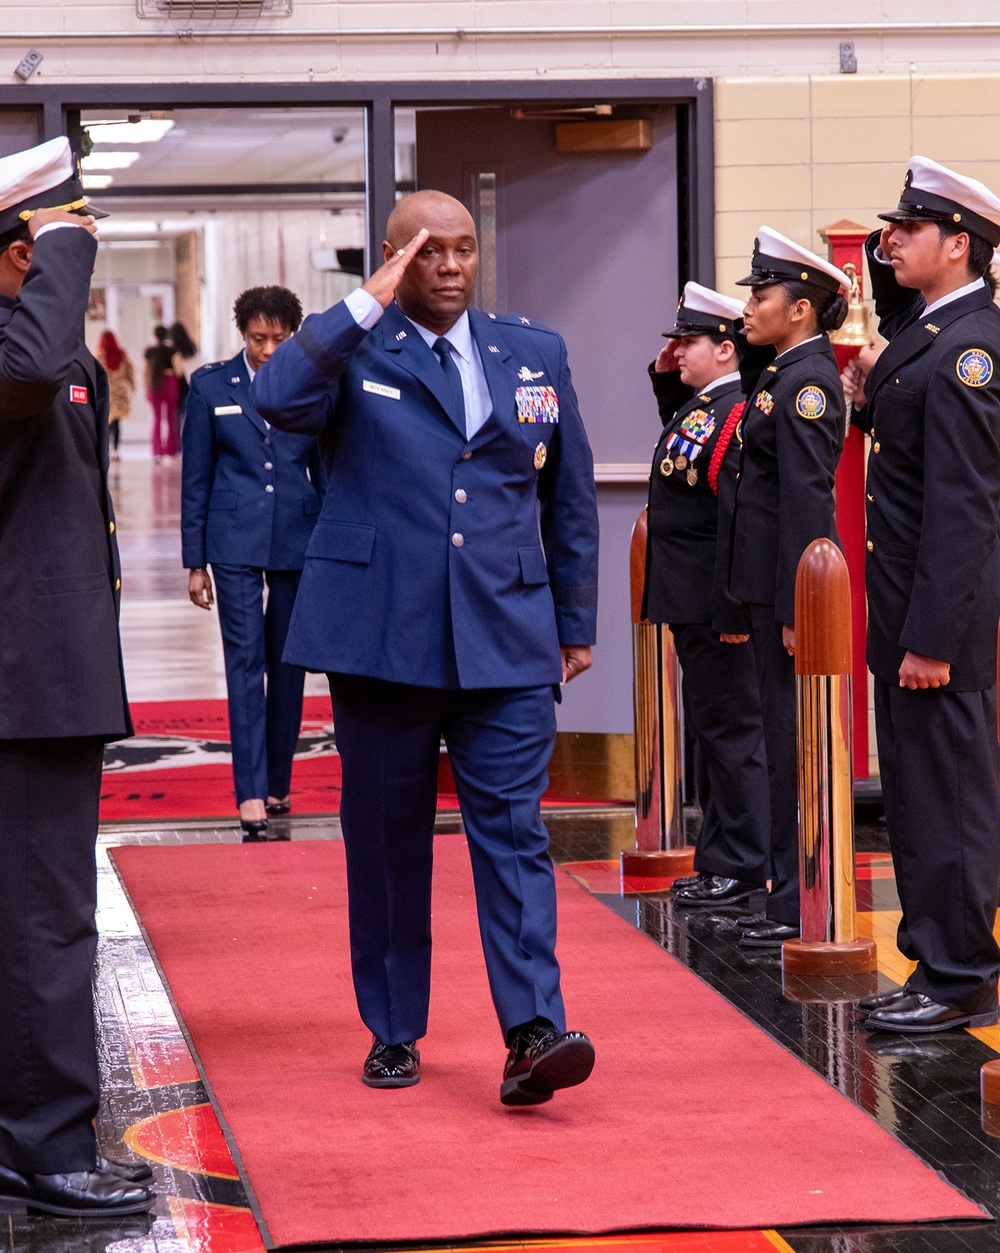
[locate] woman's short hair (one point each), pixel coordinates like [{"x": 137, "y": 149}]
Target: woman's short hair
[{"x": 273, "y": 304}]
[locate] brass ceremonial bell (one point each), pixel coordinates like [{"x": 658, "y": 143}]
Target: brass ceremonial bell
[{"x": 857, "y": 329}]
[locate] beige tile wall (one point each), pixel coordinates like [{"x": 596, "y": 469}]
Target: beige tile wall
[{"x": 800, "y": 153}]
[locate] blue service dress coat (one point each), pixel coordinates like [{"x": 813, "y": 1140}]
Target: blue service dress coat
[
  {"x": 437, "y": 560},
  {"x": 246, "y": 497}
]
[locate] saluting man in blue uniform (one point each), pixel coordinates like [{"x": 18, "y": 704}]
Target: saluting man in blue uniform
[{"x": 449, "y": 588}]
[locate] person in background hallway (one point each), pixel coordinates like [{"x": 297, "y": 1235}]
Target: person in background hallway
[
  {"x": 691, "y": 489},
  {"x": 441, "y": 602},
  {"x": 250, "y": 496},
  {"x": 793, "y": 433},
  {"x": 932, "y": 574},
  {"x": 62, "y": 696},
  {"x": 121, "y": 385},
  {"x": 184, "y": 350},
  {"x": 161, "y": 383}
]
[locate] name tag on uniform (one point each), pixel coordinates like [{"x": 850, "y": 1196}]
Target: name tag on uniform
[
  {"x": 380, "y": 389},
  {"x": 223, "y": 411},
  {"x": 79, "y": 395}
]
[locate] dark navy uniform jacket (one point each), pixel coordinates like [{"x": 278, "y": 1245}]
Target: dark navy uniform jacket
[
  {"x": 439, "y": 561},
  {"x": 61, "y": 668},
  {"x": 689, "y": 505},
  {"x": 793, "y": 435},
  {"x": 933, "y": 492},
  {"x": 246, "y": 497}
]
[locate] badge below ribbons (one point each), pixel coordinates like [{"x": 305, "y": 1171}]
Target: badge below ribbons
[
  {"x": 810, "y": 402},
  {"x": 537, "y": 404}
]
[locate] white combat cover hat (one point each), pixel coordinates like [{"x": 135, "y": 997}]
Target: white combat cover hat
[
  {"x": 776, "y": 259},
  {"x": 933, "y": 193}
]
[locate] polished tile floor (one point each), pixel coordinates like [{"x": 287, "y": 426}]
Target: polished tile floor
[{"x": 925, "y": 1091}]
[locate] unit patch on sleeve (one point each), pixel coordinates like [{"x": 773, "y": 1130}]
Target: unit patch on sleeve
[
  {"x": 764, "y": 402},
  {"x": 975, "y": 367},
  {"x": 537, "y": 404},
  {"x": 78, "y": 395},
  {"x": 698, "y": 425},
  {"x": 810, "y": 402}
]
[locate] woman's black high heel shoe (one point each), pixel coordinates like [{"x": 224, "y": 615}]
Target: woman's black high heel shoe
[
  {"x": 254, "y": 831},
  {"x": 277, "y": 808}
]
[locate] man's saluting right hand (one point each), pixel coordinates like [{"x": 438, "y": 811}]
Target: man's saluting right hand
[{"x": 383, "y": 283}]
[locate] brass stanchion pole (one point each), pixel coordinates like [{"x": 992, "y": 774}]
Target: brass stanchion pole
[
  {"x": 829, "y": 943},
  {"x": 660, "y": 847}
]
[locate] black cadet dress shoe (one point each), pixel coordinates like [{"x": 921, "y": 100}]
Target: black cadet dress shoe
[
  {"x": 541, "y": 1060},
  {"x": 132, "y": 1172},
  {"x": 916, "y": 1013},
  {"x": 392, "y": 1065},
  {"x": 767, "y": 934},
  {"x": 879, "y": 1000},
  {"x": 689, "y": 880},
  {"x": 79, "y": 1194},
  {"x": 715, "y": 890}
]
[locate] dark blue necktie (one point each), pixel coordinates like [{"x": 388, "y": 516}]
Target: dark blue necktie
[{"x": 443, "y": 349}]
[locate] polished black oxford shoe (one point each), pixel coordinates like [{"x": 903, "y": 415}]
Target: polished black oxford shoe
[
  {"x": 879, "y": 1000},
  {"x": 916, "y": 1013},
  {"x": 133, "y": 1172},
  {"x": 79, "y": 1194},
  {"x": 392, "y": 1065},
  {"x": 767, "y": 934},
  {"x": 715, "y": 890},
  {"x": 541, "y": 1060},
  {"x": 689, "y": 880}
]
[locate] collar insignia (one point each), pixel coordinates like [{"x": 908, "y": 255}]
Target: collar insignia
[
  {"x": 401, "y": 335},
  {"x": 772, "y": 369},
  {"x": 932, "y": 328}
]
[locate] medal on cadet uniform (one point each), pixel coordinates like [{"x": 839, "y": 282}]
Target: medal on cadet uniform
[
  {"x": 667, "y": 466},
  {"x": 540, "y": 454},
  {"x": 680, "y": 461},
  {"x": 692, "y": 476},
  {"x": 682, "y": 454}
]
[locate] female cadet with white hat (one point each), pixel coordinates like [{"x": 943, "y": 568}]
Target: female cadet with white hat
[
  {"x": 793, "y": 433},
  {"x": 692, "y": 485}
]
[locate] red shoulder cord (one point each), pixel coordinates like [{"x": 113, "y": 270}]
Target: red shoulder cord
[{"x": 722, "y": 443}]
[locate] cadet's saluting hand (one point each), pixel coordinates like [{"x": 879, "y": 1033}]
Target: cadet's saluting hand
[
  {"x": 383, "y": 283},
  {"x": 43, "y": 217}
]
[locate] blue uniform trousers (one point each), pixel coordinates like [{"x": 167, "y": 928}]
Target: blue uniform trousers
[
  {"x": 499, "y": 743},
  {"x": 776, "y": 678},
  {"x": 937, "y": 753},
  {"x": 722, "y": 707},
  {"x": 263, "y": 726}
]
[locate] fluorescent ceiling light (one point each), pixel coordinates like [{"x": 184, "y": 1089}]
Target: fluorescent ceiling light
[
  {"x": 109, "y": 161},
  {"x": 132, "y": 243},
  {"x": 146, "y": 131},
  {"x": 128, "y": 226},
  {"x": 96, "y": 182}
]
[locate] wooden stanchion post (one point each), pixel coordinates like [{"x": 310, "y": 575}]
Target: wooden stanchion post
[
  {"x": 828, "y": 943},
  {"x": 661, "y": 850}
]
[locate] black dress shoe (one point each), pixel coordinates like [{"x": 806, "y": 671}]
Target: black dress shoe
[
  {"x": 915, "y": 1014},
  {"x": 254, "y": 832},
  {"x": 392, "y": 1065},
  {"x": 689, "y": 880},
  {"x": 541, "y": 1060},
  {"x": 879, "y": 1000},
  {"x": 715, "y": 890},
  {"x": 131, "y": 1172},
  {"x": 79, "y": 1194},
  {"x": 750, "y": 920},
  {"x": 277, "y": 808},
  {"x": 767, "y": 934}
]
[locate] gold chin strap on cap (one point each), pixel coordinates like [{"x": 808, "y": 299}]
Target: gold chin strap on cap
[{"x": 27, "y": 214}]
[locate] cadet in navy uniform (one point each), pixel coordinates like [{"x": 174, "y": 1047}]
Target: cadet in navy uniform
[
  {"x": 438, "y": 607},
  {"x": 62, "y": 694},
  {"x": 933, "y": 581},
  {"x": 793, "y": 433},
  {"x": 250, "y": 499},
  {"x": 691, "y": 491}
]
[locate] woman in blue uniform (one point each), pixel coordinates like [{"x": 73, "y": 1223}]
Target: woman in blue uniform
[
  {"x": 793, "y": 433},
  {"x": 693, "y": 481},
  {"x": 250, "y": 499}
]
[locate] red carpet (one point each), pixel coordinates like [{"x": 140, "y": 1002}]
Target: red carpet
[
  {"x": 253, "y": 941},
  {"x": 178, "y": 766}
]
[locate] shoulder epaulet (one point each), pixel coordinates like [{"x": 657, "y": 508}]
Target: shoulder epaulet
[
  {"x": 208, "y": 369},
  {"x": 517, "y": 319}
]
